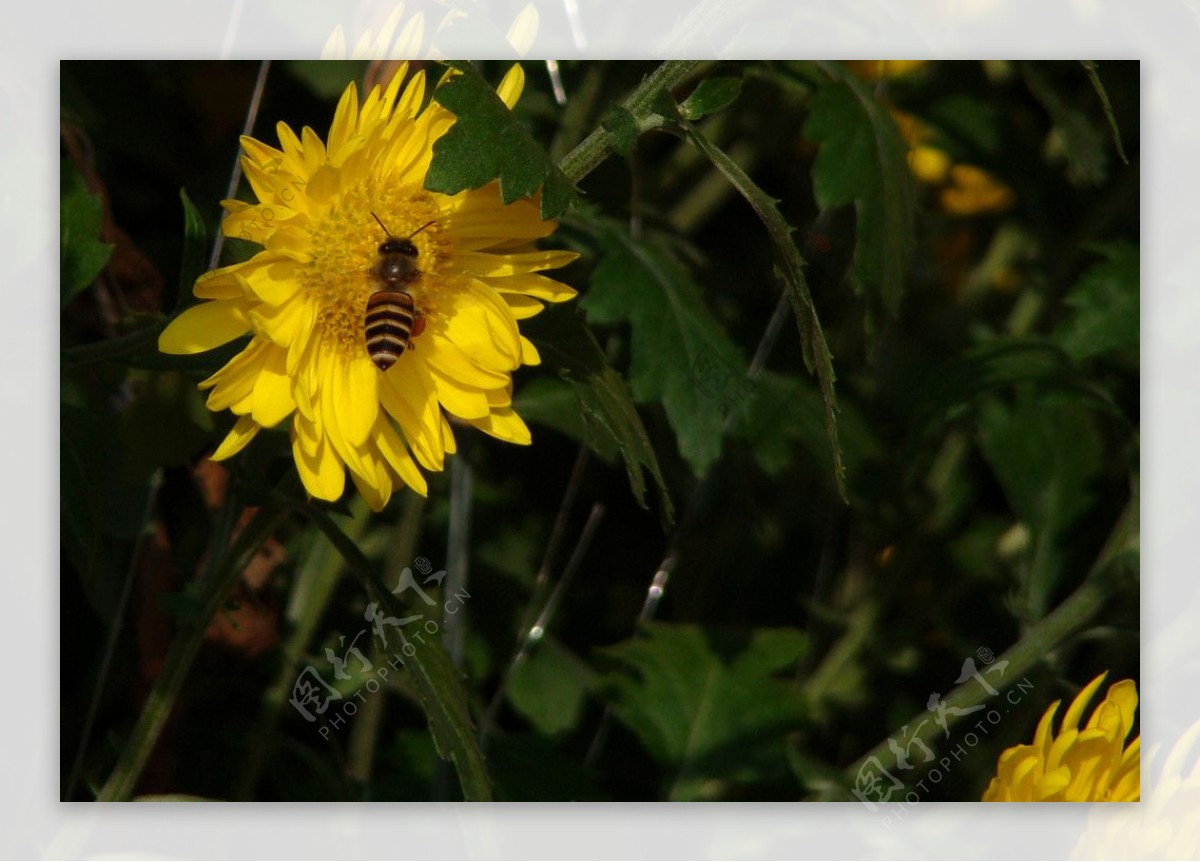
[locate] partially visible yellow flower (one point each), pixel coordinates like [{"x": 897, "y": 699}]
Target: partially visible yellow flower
[
  {"x": 965, "y": 189},
  {"x": 873, "y": 70},
  {"x": 303, "y": 298},
  {"x": 1089, "y": 765},
  {"x": 973, "y": 191},
  {"x": 1167, "y": 823}
]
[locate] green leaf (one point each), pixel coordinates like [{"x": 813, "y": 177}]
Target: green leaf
[
  {"x": 711, "y": 95},
  {"x": 680, "y": 355},
  {"x": 552, "y": 402},
  {"x": 194, "y": 260},
  {"x": 1073, "y": 135},
  {"x": 863, "y": 161},
  {"x": 956, "y": 386},
  {"x": 82, "y": 256},
  {"x": 1104, "y": 305},
  {"x": 709, "y": 703},
  {"x": 486, "y": 143},
  {"x": 790, "y": 268},
  {"x": 165, "y": 425},
  {"x": 530, "y": 768},
  {"x": 101, "y": 508},
  {"x": 1047, "y": 453},
  {"x": 549, "y": 688},
  {"x": 1093, "y": 74},
  {"x": 786, "y": 411},
  {"x": 568, "y": 347}
]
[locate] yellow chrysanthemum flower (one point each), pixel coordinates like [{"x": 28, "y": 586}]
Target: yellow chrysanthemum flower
[
  {"x": 304, "y": 297},
  {"x": 1089, "y": 765}
]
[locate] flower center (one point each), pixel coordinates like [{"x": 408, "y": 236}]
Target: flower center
[{"x": 341, "y": 274}]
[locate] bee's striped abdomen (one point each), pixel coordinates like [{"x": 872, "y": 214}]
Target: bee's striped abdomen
[{"x": 390, "y": 318}]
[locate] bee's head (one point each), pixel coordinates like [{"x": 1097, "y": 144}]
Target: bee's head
[{"x": 393, "y": 245}]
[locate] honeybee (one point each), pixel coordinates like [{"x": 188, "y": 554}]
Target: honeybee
[{"x": 392, "y": 319}]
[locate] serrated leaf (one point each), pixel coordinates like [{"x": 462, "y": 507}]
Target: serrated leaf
[
  {"x": 550, "y": 686},
  {"x": 709, "y": 703},
  {"x": 552, "y": 402},
  {"x": 863, "y": 161},
  {"x": 711, "y": 95},
  {"x": 1093, "y": 73},
  {"x": 488, "y": 143},
  {"x": 1104, "y": 307},
  {"x": 787, "y": 411},
  {"x": 789, "y": 268},
  {"x": 82, "y": 256},
  {"x": 568, "y": 347},
  {"x": 436, "y": 682},
  {"x": 680, "y": 355}
]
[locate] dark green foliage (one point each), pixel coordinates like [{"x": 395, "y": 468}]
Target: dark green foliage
[
  {"x": 678, "y": 348},
  {"x": 489, "y": 143},
  {"x": 748, "y": 234},
  {"x": 81, "y": 253},
  {"x": 863, "y": 161}
]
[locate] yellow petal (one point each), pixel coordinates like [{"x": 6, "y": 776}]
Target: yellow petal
[
  {"x": 493, "y": 265},
  {"x": 376, "y": 491},
  {"x": 510, "y": 88},
  {"x": 529, "y": 354},
  {"x": 410, "y": 399},
  {"x": 273, "y": 400},
  {"x": 482, "y": 326},
  {"x": 414, "y": 95},
  {"x": 235, "y": 441},
  {"x": 345, "y": 121},
  {"x": 234, "y": 383},
  {"x": 284, "y": 324},
  {"x": 223, "y": 283},
  {"x": 1079, "y": 704},
  {"x": 355, "y": 398},
  {"x": 392, "y": 448},
  {"x": 504, "y": 424},
  {"x": 463, "y": 401},
  {"x": 333, "y": 384},
  {"x": 205, "y": 326},
  {"x": 321, "y": 473},
  {"x": 456, "y": 364},
  {"x": 1123, "y": 695},
  {"x": 257, "y": 223},
  {"x": 522, "y": 307},
  {"x": 1044, "y": 735},
  {"x": 529, "y": 284}
]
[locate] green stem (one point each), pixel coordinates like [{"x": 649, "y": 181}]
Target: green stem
[
  {"x": 316, "y": 579},
  {"x": 597, "y": 146},
  {"x": 436, "y": 681},
  {"x": 364, "y": 734},
  {"x": 1079, "y": 609},
  {"x": 213, "y": 591}
]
